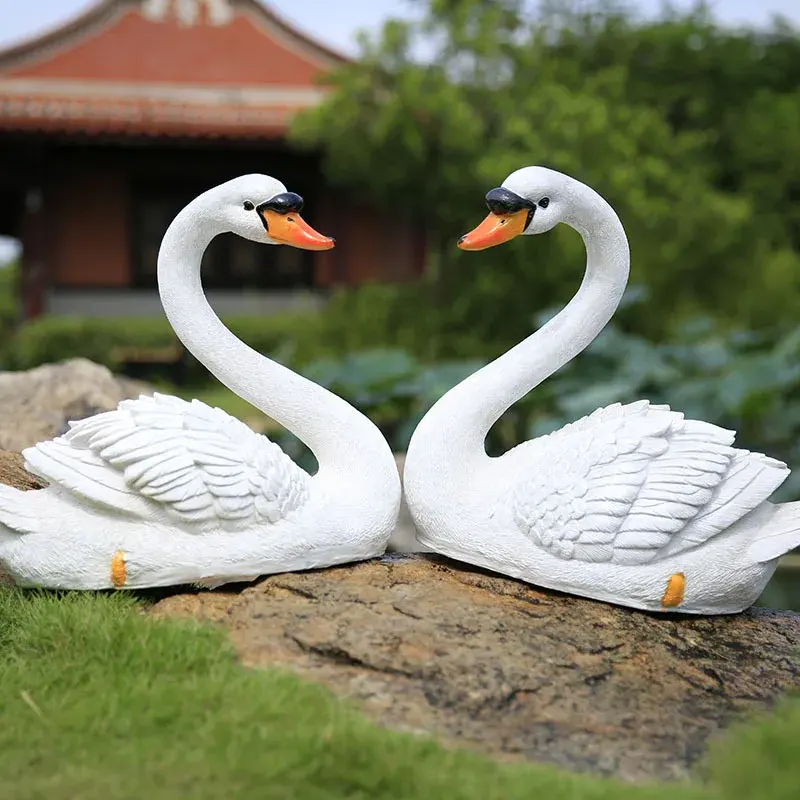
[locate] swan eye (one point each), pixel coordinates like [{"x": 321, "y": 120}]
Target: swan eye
[
  {"x": 544, "y": 202},
  {"x": 248, "y": 206}
]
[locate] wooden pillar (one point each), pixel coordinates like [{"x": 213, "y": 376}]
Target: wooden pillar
[
  {"x": 35, "y": 247},
  {"x": 331, "y": 265}
]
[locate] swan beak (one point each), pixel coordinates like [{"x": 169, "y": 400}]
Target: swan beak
[
  {"x": 494, "y": 230},
  {"x": 290, "y": 228}
]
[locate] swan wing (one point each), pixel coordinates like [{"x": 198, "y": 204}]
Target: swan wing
[
  {"x": 183, "y": 462},
  {"x": 631, "y": 484}
]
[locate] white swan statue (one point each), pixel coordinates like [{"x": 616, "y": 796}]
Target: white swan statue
[
  {"x": 162, "y": 491},
  {"x": 633, "y": 504}
]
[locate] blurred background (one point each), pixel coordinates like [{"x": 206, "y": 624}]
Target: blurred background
[{"x": 393, "y": 119}]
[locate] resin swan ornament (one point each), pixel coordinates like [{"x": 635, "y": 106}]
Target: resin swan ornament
[
  {"x": 162, "y": 491},
  {"x": 634, "y": 504}
]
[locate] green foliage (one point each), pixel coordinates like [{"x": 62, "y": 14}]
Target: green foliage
[
  {"x": 758, "y": 759},
  {"x": 736, "y": 379},
  {"x": 783, "y": 591},
  {"x": 746, "y": 382},
  {"x": 687, "y": 128},
  {"x": 393, "y": 365},
  {"x": 92, "y": 690},
  {"x": 404, "y": 316},
  {"x": 49, "y": 339},
  {"x": 106, "y": 340},
  {"x": 392, "y": 387},
  {"x": 9, "y": 298},
  {"x": 351, "y": 320}
]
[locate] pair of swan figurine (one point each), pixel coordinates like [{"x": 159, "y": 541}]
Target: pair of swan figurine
[{"x": 632, "y": 505}]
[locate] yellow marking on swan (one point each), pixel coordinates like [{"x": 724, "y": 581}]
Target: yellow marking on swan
[
  {"x": 673, "y": 595},
  {"x": 119, "y": 573}
]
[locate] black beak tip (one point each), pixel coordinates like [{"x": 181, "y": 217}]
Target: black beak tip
[{"x": 461, "y": 239}]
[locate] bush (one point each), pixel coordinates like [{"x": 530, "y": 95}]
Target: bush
[
  {"x": 372, "y": 316},
  {"x": 104, "y": 340},
  {"x": 289, "y": 337},
  {"x": 9, "y": 298},
  {"x": 50, "y": 339},
  {"x": 737, "y": 379},
  {"x": 376, "y": 315},
  {"x": 384, "y": 350}
]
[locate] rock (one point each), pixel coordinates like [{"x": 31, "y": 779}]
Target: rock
[
  {"x": 38, "y": 403},
  {"x": 485, "y": 662},
  {"x": 13, "y": 472}
]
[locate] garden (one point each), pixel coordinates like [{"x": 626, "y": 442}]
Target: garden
[{"x": 691, "y": 131}]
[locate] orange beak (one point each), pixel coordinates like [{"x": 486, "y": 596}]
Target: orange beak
[
  {"x": 494, "y": 230},
  {"x": 293, "y": 230}
]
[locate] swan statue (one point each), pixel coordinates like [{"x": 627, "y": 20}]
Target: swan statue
[
  {"x": 633, "y": 504},
  {"x": 161, "y": 491}
]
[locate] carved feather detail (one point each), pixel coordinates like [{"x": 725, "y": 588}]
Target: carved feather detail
[
  {"x": 631, "y": 484},
  {"x": 161, "y": 455}
]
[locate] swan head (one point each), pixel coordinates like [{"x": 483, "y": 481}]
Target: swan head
[
  {"x": 530, "y": 200},
  {"x": 259, "y": 208}
]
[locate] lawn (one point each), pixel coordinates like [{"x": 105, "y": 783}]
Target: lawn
[{"x": 99, "y": 701}]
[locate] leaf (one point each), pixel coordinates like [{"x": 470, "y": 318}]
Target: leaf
[{"x": 593, "y": 397}]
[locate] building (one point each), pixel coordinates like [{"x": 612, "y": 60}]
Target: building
[{"x": 111, "y": 123}]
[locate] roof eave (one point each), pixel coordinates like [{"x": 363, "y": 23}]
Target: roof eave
[{"x": 106, "y": 10}]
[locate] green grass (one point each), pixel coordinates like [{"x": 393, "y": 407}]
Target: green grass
[
  {"x": 760, "y": 759},
  {"x": 98, "y": 701}
]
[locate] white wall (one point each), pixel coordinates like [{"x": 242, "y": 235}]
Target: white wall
[{"x": 9, "y": 249}]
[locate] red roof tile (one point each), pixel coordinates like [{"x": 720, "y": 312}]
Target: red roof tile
[{"x": 164, "y": 67}]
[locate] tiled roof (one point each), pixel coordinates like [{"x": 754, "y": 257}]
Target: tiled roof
[
  {"x": 92, "y": 107},
  {"x": 164, "y": 67}
]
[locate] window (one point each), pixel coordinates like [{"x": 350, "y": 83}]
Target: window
[{"x": 230, "y": 262}]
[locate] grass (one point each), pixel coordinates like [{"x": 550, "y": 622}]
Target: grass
[
  {"x": 760, "y": 759},
  {"x": 98, "y": 701}
]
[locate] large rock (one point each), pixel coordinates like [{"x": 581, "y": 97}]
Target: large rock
[
  {"x": 13, "y": 472},
  {"x": 38, "y": 403},
  {"x": 490, "y": 663}
]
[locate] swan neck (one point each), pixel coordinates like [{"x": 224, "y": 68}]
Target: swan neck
[
  {"x": 340, "y": 437},
  {"x": 466, "y": 414}
]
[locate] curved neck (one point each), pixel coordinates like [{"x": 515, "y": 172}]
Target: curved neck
[
  {"x": 461, "y": 420},
  {"x": 339, "y": 436}
]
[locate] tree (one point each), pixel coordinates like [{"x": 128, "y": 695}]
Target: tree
[{"x": 671, "y": 120}]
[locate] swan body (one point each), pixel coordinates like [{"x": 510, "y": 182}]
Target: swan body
[
  {"x": 633, "y": 504},
  {"x": 162, "y": 491}
]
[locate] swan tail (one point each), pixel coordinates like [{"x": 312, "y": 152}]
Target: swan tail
[
  {"x": 780, "y": 534},
  {"x": 7, "y": 535},
  {"x": 17, "y": 513}
]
